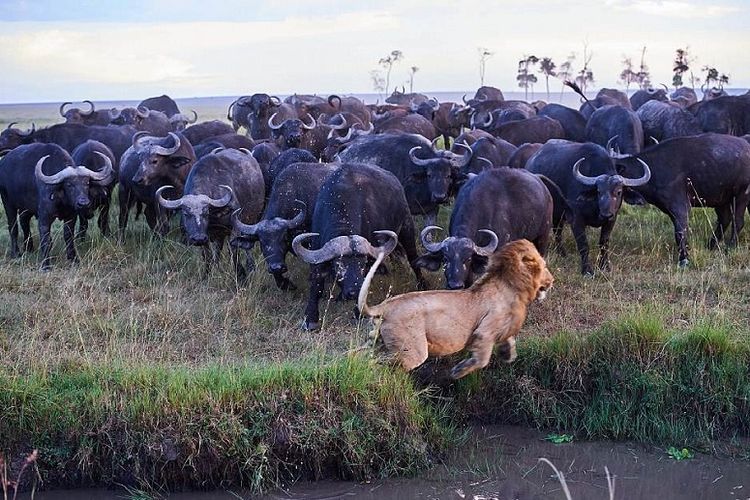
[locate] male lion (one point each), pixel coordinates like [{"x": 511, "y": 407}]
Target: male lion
[{"x": 441, "y": 322}]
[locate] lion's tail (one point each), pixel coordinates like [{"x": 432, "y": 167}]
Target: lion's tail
[{"x": 362, "y": 299}]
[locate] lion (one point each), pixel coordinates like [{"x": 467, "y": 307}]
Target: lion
[{"x": 416, "y": 325}]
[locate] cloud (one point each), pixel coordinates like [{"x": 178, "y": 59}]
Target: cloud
[{"x": 676, "y": 8}]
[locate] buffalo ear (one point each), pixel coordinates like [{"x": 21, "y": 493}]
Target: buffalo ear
[
  {"x": 429, "y": 261},
  {"x": 478, "y": 265}
]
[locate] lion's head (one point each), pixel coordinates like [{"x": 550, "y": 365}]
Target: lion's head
[{"x": 519, "y": 264}]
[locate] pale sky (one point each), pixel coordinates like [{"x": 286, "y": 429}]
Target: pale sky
[{"x": 55, "y": 50}]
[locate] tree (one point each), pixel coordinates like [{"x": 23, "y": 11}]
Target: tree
[
  {"x": 627, "y": 75},
  {"x": 680, "y": 66},
  {"x": 585, "y": 76},
  {"x": 412, "y": 70},
  {"x": 566, "y": 71},
  {"x": 643, "y": 77},
  {"x": 723, "y": 80},
  {"x": 378, "y": 82},
  {"x": 484, "y": 54},
  {"x": 547, "y": 68},
  {"x": 525, "y": 78},
  {"x": 387, "y": 64},
  {"x": 712, "y": 75}
]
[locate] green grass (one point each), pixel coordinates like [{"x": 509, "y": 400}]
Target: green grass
[{"x": 106, "y": 361}]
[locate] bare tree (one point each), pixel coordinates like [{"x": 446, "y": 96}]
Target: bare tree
[
  {"x": 484, "y": 54},
  {"x": 566, "y": 71},
  {"x": 585, "y": 75},
  {"x": 412, "y": 70},
  {"x": 378, "y": 82},
  {"x": 547, "y": 68},
  {"x": 387, "y": 64}
]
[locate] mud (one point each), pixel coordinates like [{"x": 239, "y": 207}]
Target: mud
[{"x": 502, "y": 462}]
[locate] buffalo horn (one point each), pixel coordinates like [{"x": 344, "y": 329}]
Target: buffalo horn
[
  {"x": 170, "y": 204},
  {"x": 160, "y": 150},
  {"x": 641, "y": 180},
  {"x": 415, "y": 160},
  {"x": 62, "y": 108},
  {"x": 312, "y": 120},
  {"x": 488, "y": 249},
  {"x": 270, "y": 122},
  {"x": 427, "y": 243},
  {"x": 91, "y": 105},
  {"x": 584, "y": 179}
]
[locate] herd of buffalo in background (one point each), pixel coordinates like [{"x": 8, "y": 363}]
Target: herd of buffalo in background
[{"x": 335, "y": 178}]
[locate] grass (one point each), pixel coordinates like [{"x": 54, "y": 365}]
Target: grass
[{"x": 107, "y": 360}]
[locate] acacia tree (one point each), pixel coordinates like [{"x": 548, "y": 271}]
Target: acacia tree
[
  {"x": 525, "y": 78},
  {"x": 627, "y": 75},
  {"x": 566, "y": 71},
  {"x": 680, "y": 66},
  {"x": 484, "y": 54},
  {"x": 412, "y": 70},
  {"x": 712, "y": 76},
  {"x": 547, "y": 68},
  {"x": 387, "y": 64}
]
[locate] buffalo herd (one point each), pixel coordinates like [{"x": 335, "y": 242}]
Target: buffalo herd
[{"x": 338, "y": 181}]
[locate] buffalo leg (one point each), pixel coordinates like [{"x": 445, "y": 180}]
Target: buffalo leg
[
  {"x": 28, "y": 240},
  {"x": 103, "y": 220},
  {"x": 69, "y": 229},
  {"x": 407, "y": 239},
  {"x": 723, "y": 220},
  {"x": 125, "y": 203},
  {"x": 679, "y": 216},
  {"x": 317, "y": 284},
  {"x": 604, "y": 235},
  {"x": 207, "y": 258},
  {"x": 446, "y": 141},
  {"x": 738, "y": 209},
  {"x": 282, "y": 282},
  {"x": 83, "y": 227},
  {"x": 239, "y": 270},
  {"x": 44, "y": 242},
  {"x": 579, "y": 233},
  {"x": 12, "y": 215}
]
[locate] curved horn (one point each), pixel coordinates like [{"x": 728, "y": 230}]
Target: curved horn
[
  {"x": 466, "y": 103},
  {"x": 344, "y": 139},
  {"x": 245, "y": 151},
  {"x": 245, "y": 229},
  {"x": 217, "y": 150},
  {"x": 29, "y": 132},
  {"x": 229, "y": 109},
  {"x": 160, "y": 150},
  {"x": 489, "y": 248},
  {"x": 10, "y": 125},
  {"x": 666, "y": 89},
  {"x": 341, "y": 126},
  {"x": 584, "y": 179},
  {"x": 114, "y": 114},
  {"x": 270, "y": 122},
  {"x": 334, "y": 248},
  {"x": 654, "y": 139},
  {"x": 641, "y": 180},
  {"x": 611, "y": 141},
  {"x": 195, "y": 117},
  {"x": 332, "y": 98},
  {"x": 170, "y": 204},
  {"x": 273, "y": 98},
  {"x": 102, "y": 176},
  {"x": 298, "y": 219},
  {"x": 465, "y": 158},
  {"x": 54, "y": 178},
  {"x": 415, "y": 160},
  {"x": 91, "y": 111},
  {"x": 362, "y": 245},
  {"x": 62, "y": 108},
  {"x": 142, "y": 111},
  {"x": 488, "y": 122},
  {"x": 137, "y": 136},
  {"x": 482, "y": 158},
  {"x": 434, "y": 102},
  {"x": 224, "y": 200},
  {"x": 312, "y": 120},
  {"x": 429, "y": 245}
]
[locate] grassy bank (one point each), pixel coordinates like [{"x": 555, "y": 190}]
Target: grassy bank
[
  {"x": 253, "y": 427},
  {"x": 631, "y": 379}
]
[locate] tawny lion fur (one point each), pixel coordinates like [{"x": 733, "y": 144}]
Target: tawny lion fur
[{"x": 416, "y": 325}]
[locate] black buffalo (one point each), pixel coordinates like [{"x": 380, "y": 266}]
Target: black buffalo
[
  {"x": 70, "y": 135},
  {"x": 592, "y": 190},
  {"x": 707, "y": 170},
  {"x": 615, "y": 126},
  {"x": 572, "y": 121},
  {"x": 90, "y": 117},
  {"x": 95, "y": 156},
  {"x": 41, "y": 180},
  {"x": 503, "y": 203},
  {"x": 162, "y": 103},
  {"x": 288, "y": 213},
  {"x": 642, "y": 96},
  {"x": 665, "y": 120},
  {"x": 205, "y": 130},
  {"x": 427, "y": 174},
  {"x": 357, "y": 204},
  {"x": 218, "y": 184}
]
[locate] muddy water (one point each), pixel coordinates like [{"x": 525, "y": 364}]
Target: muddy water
[{"x": 501, "y": 462}]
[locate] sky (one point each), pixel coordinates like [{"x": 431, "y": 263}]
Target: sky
[{"x": 55, "y": 50}]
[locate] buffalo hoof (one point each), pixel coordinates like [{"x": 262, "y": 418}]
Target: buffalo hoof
[
  {"x": 684, "y": 263},
  {"x": 310, "y": 326},
  {"x": 587, "y": 271}
]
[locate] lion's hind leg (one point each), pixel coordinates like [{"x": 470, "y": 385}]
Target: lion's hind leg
[{"x": 409, "y": 351}]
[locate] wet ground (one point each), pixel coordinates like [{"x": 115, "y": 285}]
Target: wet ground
[{"x": 502, "y": 462}]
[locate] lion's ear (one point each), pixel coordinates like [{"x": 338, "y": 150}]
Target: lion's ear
[{"x": 532, "y": 263}]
